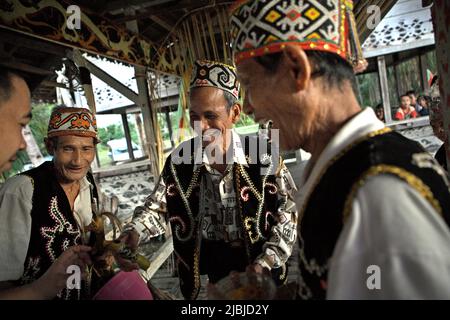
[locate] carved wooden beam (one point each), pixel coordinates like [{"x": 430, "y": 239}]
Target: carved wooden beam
[{"x": 96, "y": 34}]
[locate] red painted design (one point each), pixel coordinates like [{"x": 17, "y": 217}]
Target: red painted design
[
  {"x": 171, "y": 190},
  {"x": 268, "y": 213},
  {"x": 294, "y": 15},
  {"x": 177, "y": 219},
  {"x": 244, "y": 193},
  {"x": 272, "y": 188}
]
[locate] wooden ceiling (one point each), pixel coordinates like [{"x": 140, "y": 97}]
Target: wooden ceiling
[{"x": 155, "y": 19}]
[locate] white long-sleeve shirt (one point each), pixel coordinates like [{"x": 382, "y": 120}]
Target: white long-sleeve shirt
[
  {"x": 219, "y": 211},
  {"x": 391, "y": 226},
  {"x": 15, "y": 222}
]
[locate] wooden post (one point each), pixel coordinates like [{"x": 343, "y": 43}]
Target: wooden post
[
  {"x": 126, "y": 128},
  {"x": 159, "y": 257},
  {"x": 423, "y": 73},
  {"x": 140, "y": 129},
  {"x": 144, "y": 104},
  {"x": 86, "y": 82},
  {"x": 382, "y": 74},
  {"x": 169, "y": 125}
]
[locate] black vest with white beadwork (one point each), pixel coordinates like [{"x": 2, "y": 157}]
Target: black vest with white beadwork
[
  {"x": 53, "y": 227},
  {"x": 256, "y": 196},
  {"x": 329, "y": 203}
]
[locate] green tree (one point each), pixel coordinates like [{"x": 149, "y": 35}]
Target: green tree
[{"x": 38, "y": 126}]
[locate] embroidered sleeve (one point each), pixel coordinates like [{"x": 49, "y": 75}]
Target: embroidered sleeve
[
  {"x": 279, "y": 246},
  {"x": 149, "y": 220}
]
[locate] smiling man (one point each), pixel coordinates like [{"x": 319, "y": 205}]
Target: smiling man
[
  {"x": 45, "y": 211},
  {"x": 226, "y": 215}
]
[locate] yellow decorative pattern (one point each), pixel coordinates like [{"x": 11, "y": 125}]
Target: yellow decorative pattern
[
  {"x": 406, "y": 176},
  {"x": 312, "y": 14},
  {"x": 184, "y": 197},
  {"x": 238, "y": 188},
  {"x": 314, "y": 35},
  {"x": 272, "y": 16},
  {"x": 333, "y": 160},
  {"x": 271, "y": 38},
  {"x": 248, "y": 222},
  {"x": 196, "y": 288}
]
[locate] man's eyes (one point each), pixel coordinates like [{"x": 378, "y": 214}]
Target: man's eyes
[
  {"x": 207, "y": 116},
  {"x": 69, "y": 149}
]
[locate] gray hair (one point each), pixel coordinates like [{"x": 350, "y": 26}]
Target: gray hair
[{"x": 230, "y": 99}]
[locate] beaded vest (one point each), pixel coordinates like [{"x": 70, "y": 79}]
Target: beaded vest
[
  {"x": 53, "y": 228},
  {"x": 256, "y": 195}
]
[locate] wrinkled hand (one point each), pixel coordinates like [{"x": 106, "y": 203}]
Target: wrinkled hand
[
  {"x": 214, "y": 293},
  {"x": 131, "y": 240},
  {"x": 55, "y": 278},
  {"x": 257, "y": 268}
]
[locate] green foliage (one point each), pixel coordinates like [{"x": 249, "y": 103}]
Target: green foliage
[
  {"x": 115, "y": 131},
  {"x": 245, "y": 120},
  {"x": 103, "y": 155},
  {"x": 38, "y": 126},
  {"x": 369, "y": 90}
]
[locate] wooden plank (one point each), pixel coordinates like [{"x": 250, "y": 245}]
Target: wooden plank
[
  {"x": 384, "y": 85},
  {"x": 119, "y": 5},
  {"x": 115, "y": 84},
  {"x": 159, "y": 257},
  {"x": 26, "y": 68},
  {"x": 126, "y": 128},
  {"x": 143, "y": 101},
  {"x": 24, "y": 41},
  {"x": 161, "y": 22},
  {"x": 53, "y": 84},
  {"x": 96, "y": 34}
]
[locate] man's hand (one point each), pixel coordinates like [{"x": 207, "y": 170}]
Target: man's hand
[
  {"x": 131, "y": 240},
  {"x": 257, "y": 268},
  {"x": 251, "y": 272},
  {"x": 55, "y": 278}
]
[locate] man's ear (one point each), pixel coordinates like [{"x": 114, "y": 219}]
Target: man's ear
[
  {"x": 298, "y": 65},
  {"x": 49, "y": 146},
  {"x": 236, "y": 112}
]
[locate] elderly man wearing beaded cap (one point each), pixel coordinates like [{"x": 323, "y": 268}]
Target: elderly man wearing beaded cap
[
  {"x": 225, "y": 215},
  {"x": 44, "y": 212},
  {"x": 374, "y": 206}
]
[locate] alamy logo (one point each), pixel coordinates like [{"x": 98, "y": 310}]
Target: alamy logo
[
  {"x": 74, "y": 279},
  {"x": 374, "y": 17},
  {"x": 374, "y": 280},
  {"x": 73, "y": 17}
]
